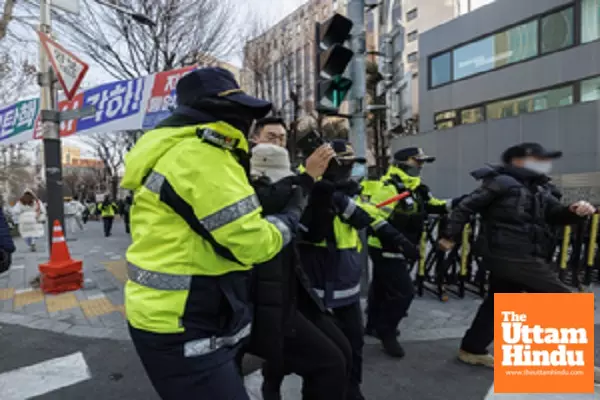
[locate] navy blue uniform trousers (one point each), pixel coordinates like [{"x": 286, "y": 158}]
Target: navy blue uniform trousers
[{"x": 215, "y": 376}]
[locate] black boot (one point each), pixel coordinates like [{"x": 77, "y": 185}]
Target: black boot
[
  {"x": 392, "y": 347},
  {"x": 371, "y": 331}
]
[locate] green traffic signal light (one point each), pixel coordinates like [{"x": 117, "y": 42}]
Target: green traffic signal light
[{"x": 340, "y": 87}]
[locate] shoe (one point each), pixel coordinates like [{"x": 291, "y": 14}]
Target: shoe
[
  {"x": 485, "y": 360},
  {"x": 370, "y": 331},
  {"x": 392, "y": 347},
  {"x": 33, "y": 248},
  {"x": 269, "y": 392}
]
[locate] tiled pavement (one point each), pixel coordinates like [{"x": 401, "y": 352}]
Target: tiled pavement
[{"x": 95, "y": 311}]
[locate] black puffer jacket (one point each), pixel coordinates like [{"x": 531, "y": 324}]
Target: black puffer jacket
[
  {"x": 280, "y": 286},
  {"x": 517, "y": 213}
]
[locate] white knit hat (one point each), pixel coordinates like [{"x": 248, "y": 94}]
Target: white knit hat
[{"x": 271, "y": 161}]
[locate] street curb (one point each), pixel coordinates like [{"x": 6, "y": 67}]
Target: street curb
[{"x": 52, "y": 325}]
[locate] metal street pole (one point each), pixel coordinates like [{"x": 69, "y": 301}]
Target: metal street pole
[
  {"x": 52, "y": 148},
  {"x": 358, "y": 136}
]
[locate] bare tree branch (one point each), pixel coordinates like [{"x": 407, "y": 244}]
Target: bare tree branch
[
  {"x": 6, "y": 17},
  {"x": 185, "y": 31}
]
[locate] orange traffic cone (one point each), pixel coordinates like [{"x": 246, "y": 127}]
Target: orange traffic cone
[{"x": 61, "y": 273}]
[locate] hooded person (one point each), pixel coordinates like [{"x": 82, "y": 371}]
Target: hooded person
[
  {"x": 197, "y": 231},
  {"x": 292, "y": 330}
]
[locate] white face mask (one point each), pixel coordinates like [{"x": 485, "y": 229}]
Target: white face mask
[{"x": 541, "y": 167}]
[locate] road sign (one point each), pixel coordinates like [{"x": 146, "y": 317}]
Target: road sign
[
  {"x": 70, "y": 6},
  {"x": 69, "y": 68}
]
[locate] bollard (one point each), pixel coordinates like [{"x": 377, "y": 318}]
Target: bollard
[
  {"x": 591, "y": 249},
  {"x": 465, "y": 251},
  {"x": 564, "y": 253},
  {"x": 421, "y": 264}
]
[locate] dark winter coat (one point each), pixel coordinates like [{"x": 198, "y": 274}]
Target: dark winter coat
[
  {"x": 6, "y": 241},
  {"x": 280, "y": 286},
  {"x": 517, "y": 212}
]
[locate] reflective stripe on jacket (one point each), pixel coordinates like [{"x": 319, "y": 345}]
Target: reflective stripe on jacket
[
  {"x": 193, "y": 206},
  {"x": 334, "y": 269}
]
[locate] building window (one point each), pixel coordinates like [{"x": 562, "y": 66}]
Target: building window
[
  {"x": 412, "y": 57},
  {"x": 440, "y": 69},
  {"x": 590, "y": 90},
  {"x": 412, "y": 14},
  {"x": 590, "y": 20},
  {"x": 495, "y": 51},
  {"x": 530, "y": 103},
  {"x": 412, "y": 36},
  {"x": 472, "y": 115},
  {"x": 557, "y": 30},
  {"x": 445, "y": 119}
]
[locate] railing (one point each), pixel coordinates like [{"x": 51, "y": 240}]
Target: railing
[{"x": 454, "y": 273}]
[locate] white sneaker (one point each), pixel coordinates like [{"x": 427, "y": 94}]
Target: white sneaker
[{"x": 485, "y": 360}]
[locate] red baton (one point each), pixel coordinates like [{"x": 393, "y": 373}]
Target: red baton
[{"x": 394, "y": 199}]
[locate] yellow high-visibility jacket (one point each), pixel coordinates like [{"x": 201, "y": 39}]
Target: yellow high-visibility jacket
[{"x": 196, "y": 227}]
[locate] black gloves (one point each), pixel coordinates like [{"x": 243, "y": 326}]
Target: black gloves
[
  {"x": 296, "y": 204},
  {"x": 456, "y": 200},
  {"x": 350, "y": 187},
  {"x": 410, "y": 251},
  {"x": 350, "y": 212}
]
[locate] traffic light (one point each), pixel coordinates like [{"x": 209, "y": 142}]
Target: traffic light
[{"x": 332, "y": 59}]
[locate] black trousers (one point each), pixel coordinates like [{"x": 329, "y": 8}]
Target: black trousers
[
  {"x": 390, "y": 295},
  {"x": 175, "y": 377},
  {"x": 108, "y": 223},
  {"x": 508, "y": 277},
  {"x": 126, "y": 220},
  {"x": 350, "y": 321},
  {"x": 318, "y": 352}
]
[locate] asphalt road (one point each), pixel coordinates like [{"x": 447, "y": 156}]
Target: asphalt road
[{"x": 429, "y": 371}]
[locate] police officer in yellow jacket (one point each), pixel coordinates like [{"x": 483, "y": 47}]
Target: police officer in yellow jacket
[
  {"x": 197, "y": 230},
  {"x": 392, "y": 288},
  {"x": 107, "y": 210}
]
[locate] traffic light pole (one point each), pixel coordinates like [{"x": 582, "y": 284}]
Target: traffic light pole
[
  {"x": 358, "y": 122},
  {"x": 52, "y": 145}
]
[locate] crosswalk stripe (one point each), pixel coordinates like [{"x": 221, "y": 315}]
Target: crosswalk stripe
[{"x": 44, "y": 377}]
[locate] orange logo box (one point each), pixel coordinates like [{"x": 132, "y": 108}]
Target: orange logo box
[{"x": 544, "y": 343}]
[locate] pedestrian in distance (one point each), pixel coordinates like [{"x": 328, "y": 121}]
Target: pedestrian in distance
[
  {"x": 79, "y": 211},
  {"x": 107, "y": 210},
  {"x": 517, "y": 208},
  {"x": 30, "y": 215},
  {"x": 197, "y": 231}
]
